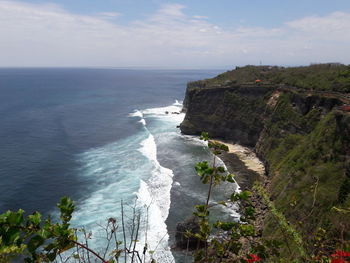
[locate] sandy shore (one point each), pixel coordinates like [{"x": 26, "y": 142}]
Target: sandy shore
[
  {"x": 247, "y": 156},
  {"x": 244, "y": 163},
  {"x": 248, "y": 169}
]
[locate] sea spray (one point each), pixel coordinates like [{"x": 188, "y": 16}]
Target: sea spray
[
  {"x": 155, "y": 193},
  {"x": 129, "y": 169},
  {"x": 161, "y": 179}
]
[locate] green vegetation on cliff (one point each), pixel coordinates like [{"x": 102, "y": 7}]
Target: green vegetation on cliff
[
  {"x": 309, "y": 171},
  {"x": 299, "y": 131},
  {"x": 322, "y": 77}
]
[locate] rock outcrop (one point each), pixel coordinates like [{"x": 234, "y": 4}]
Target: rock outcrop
[{"x": 230, "y": 113}]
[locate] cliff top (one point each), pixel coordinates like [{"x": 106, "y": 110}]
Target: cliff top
[{"x": 332, "y": 77}]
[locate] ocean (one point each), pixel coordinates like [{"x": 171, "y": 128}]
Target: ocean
[{"x": 101, "y": 136}]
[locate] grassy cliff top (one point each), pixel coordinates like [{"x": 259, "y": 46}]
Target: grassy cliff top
[{"x": 323, "y": 77}]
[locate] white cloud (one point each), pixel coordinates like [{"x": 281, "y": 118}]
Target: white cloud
[
  {"x": 47, "y": 35},
  {"x": 337, "y": 21},
  {"x": 172, "y": 10},
  {"x": 109, "y": 14},
  {"x": 200, "y": 17}
]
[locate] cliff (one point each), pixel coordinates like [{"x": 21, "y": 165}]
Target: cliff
[
  {"x": 231, "y": 112},
  {"x": 300, "y": 132}
]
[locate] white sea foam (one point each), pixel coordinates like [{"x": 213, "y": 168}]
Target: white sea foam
[
  {"x": 119, "y": 172},
  {"x": 161, "y": 179},
  {"x": 231, "y": 209},
  {"x": 171, "y": 113},
  {"x": 143, "y": 121},
  {"x": 221, "y": 163},
  {"x": 136, "y": 113},
  {"x": 194, "y": 140},
  {"x": 156, "y": 194},
  {"x": 157, "y": 235},
  {"x": 177, "y": 103},
  {"x": 114, "y": 171},
  {"x": 149, "y": 148}
]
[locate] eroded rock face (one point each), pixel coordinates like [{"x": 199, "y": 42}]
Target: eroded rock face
[
  {"x": 182, "y": 242},
  {"x": 240, "y": 113},
  {"x": 231, "y": 113}
]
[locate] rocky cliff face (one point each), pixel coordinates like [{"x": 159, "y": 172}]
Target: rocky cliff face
[
  {"x": 303, "y": 138},
  {"x": 232, "y": 113}
]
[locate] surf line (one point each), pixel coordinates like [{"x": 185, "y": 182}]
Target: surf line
[{"x": 154, "y": 193}]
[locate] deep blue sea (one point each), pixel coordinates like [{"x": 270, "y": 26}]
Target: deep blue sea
[{"x": 99, "y": 136}]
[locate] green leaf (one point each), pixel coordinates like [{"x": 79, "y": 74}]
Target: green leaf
[
  {"x": 245, "y": 195},
  {"x": 211, "y": 145},
  {"x": 240, "y": 196},
  {"x": 44, "y": 233},
  {"x": 221, "y": 169},
  {"x": 247, "y": 230},
  {"x": 249, "y": 211},
  {"x": 35, "y": 218},
  {"x": 35, "y": 242},
  {"x": 216, "y": 152},
  {"x": 205, "y": 228},
  {"x": 12, "y": 235},
  {"x": 52, "y": 256},
  {"x": 15, "y": 218},
  {"x": 234, "y": 197},
  {"x": 230, "y": 178},
  {"x": 204, "y": 136},
  {"x": 224, "y": 147},
  {"x": 222, "y": 203},
  {"x": 200, "y": 208},
  {"x": 4, "y": 216},
  {"x": 209, "y": 170},
  {"x": 188, "y": 233},
  {"x": 201, "y": 168},
  {"x": 205, "y": 179},
  {"x": 66, "y": 246},
  {"x": 226, "y": 226},
  {"x": 66, "y": 207}
]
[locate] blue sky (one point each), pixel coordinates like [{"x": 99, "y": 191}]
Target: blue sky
[
  {"x": 227, "y": 13},
  {"x": 173, "y": 34}
]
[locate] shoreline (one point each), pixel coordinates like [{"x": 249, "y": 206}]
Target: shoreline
[
  {"x": 247, "y": 168},
  {"x": 243, "y": 163}
]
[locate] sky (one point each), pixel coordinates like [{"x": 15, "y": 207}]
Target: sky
[{"x": 192, "y": 34}]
